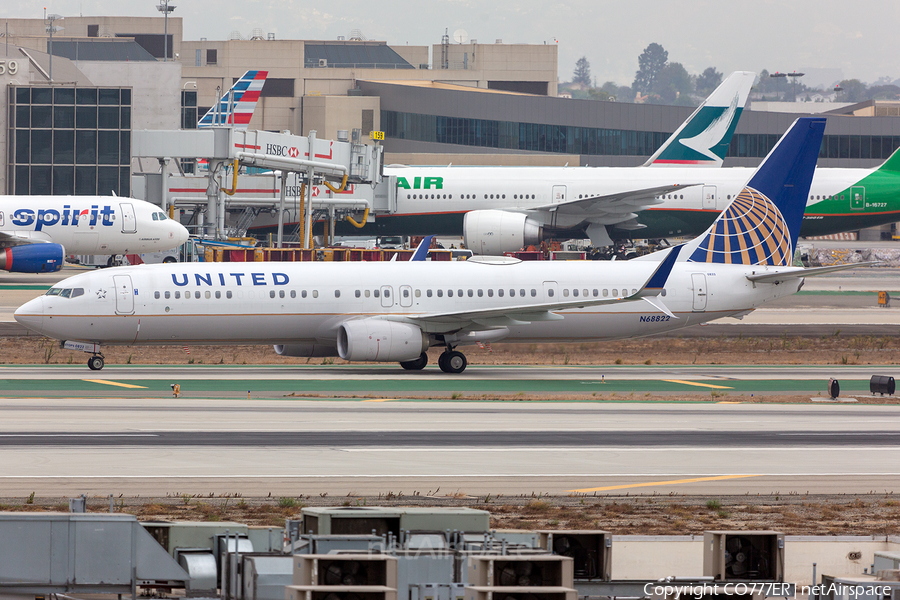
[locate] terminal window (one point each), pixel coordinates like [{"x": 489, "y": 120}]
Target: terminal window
[{"x": 70, "y": 141}]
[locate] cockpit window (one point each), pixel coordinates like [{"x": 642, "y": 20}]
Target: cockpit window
[
  {"x": 65, "y": 292},
  {"x": 155, "y": 216},
  {"x": 160, "y": 216}
]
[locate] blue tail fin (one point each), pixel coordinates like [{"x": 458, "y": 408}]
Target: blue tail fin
[{"x": 761, "y": 224}]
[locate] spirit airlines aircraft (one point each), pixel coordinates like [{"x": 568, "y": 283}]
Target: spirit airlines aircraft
[
  {"x": 37, "y": 231},
  {"x": 394, "y": 312}
]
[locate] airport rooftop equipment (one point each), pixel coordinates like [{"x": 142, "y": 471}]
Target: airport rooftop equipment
[
  {"x": 79, "y": 553},
  {"x": 313, "y": 160}
]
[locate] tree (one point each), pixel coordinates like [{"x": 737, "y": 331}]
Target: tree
[
  {"x": 708, "y": 81},
  {"x": 600, "y": 94},
  {"x": 582, "y": 73},
  {"x": 672, "y": 82},
  {"x": 650, "y": 63},
  {"x": 853, "y": 90}
]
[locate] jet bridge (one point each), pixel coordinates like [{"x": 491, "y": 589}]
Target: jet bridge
[{"x": 334, "y": 164}]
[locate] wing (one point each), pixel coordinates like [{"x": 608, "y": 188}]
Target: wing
[
  {"x": 522, "y": 314},
  {"x": 19, "y": 238},
  {"x": 620, "y": 206}
]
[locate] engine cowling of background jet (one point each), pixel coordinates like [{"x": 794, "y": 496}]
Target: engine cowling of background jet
[
  {"x": 33, "y": 258},
  {"x": 305, "y": 350},
  {"x": 494, "y": 232},
  {"x": 381, "y": 340}
]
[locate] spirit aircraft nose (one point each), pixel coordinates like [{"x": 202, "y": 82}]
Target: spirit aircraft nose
[
  {"x": 31, "y": 314},
  {"x": 178, "y": 234}
]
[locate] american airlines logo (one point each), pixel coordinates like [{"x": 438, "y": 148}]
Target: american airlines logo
[
  {"x": 25, "y": 217},
  {"x": 207, "y": 279}
]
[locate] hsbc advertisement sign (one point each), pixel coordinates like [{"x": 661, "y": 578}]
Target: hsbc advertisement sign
[{"x": 282, "y": 150}]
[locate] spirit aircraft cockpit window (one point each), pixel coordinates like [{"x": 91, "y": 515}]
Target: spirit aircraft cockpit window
[{"x": 159, "y": 216}]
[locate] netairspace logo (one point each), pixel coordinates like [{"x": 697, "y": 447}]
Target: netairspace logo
[{"x": 766, "y": 589}]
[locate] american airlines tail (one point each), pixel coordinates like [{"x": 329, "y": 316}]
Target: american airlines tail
[
  {"x": 761, "y": 225},
  {"x": 703, "y": 140},
  {"x": 236, "y": 106}
]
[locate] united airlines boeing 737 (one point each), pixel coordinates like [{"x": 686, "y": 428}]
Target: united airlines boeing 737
[
  {"x": 396, "y": 311},
  {"x": 36, "y": 232}
]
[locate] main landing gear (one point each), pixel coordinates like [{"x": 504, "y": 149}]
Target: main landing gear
[
  {"x": 416, "y": 364},
  {"x": 95, "y": 363},
  {"x": 452, "y": 361}
]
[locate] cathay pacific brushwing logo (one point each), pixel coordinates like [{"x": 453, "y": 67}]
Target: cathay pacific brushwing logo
[{"x": 715, "y": 132}]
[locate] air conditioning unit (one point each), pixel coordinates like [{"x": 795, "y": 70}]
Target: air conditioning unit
[
  {"x": 590, "y": 551},
  {"x": 343, "y": 577},
  {"x": 520, "y": 571},
  {"x": 323, "y": 62},
  {"x": 743, "y": 555},
  {"x": 546, "y": 593},
  {"x": 351, "y": 569}
]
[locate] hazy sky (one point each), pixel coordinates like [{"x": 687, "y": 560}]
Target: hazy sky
[{"x": 779, "y": 35}]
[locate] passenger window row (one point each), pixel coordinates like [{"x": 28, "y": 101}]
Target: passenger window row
[{"x": 377, "y": 293}]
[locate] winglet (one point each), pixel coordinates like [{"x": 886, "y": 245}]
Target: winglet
[
  {"x": 422, "y": 249},
  {"x": 657, "y": 281}
]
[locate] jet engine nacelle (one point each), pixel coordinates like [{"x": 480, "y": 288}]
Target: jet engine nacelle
[
  {"x": 33, "y": 258},
  {"x": 380, "y": 340},
  {"x": 305, "y": 350},
  {"x": 494, "y": 232}
]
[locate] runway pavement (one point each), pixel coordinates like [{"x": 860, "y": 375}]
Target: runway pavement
[
  {"x": 159, "y": 446},
  {"x": 66, "y": 430}
]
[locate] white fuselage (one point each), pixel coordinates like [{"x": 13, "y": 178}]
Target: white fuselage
[
  {"x": 88, "y": 224},
  {"x": 440, "y": 190},
  {"x": 305, "y": 303}
]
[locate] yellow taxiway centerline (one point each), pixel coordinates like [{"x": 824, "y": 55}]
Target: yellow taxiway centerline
[
  {"x": 116, "y": 383},
  {"x": 707, "y": 385},
  {"x": 653, "y": 483}
]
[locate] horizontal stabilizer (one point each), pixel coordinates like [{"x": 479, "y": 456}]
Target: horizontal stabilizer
[{"x": 797, "y": 273}]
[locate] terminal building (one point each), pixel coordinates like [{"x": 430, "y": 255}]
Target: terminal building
[{"x": 466, "y": 103}]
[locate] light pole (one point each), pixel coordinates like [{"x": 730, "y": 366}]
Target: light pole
[
  {"x": 164, "y": 8},
  {"x": 51, "y": 28},
  {"x": 794, "y": 75}
]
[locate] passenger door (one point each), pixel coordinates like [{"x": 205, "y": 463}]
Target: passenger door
[
  {"x": 129, "y": 221},
  {"x": 559, "y": 194},
  {"x": 709, "y": 197},
  {"x": 406, "y": 295},
  {"x": 387, "y": 296},
  {"x": 124, "y": 294},
  {"x": 698, "y": 284},
  {"x": 858, "y": 198},
  {"x": 551, "y": 291}
]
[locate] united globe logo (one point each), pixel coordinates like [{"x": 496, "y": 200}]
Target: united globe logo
[{"x": 751, "y": 231}]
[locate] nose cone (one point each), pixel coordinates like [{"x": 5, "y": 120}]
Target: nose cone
[
  {"x": 178, "y": 233},
  {"x": 31, "y": 314}
]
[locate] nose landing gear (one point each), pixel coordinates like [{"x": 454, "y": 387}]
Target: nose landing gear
[{"x": 95, "y": 363}]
